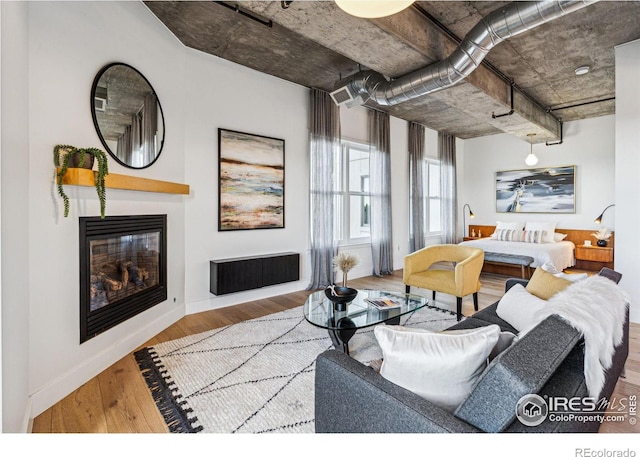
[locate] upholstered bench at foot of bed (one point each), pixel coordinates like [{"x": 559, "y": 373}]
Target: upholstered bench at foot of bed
[{"x": 498, "y": 258}]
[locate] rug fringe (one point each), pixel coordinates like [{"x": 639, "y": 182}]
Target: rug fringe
[{"x": 176, "y": 412}]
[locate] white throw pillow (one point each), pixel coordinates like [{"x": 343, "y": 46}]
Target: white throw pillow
[
  {"x": 548, "y": 227},
  {"x": 518, "y": 307},
  {"x": 507, "y": 235},
  {"x": 518, "y": 226},
  {"x": 533, "y": 236},
  {"x": 439, "y": 366},
  {"x": 559, "y": 236}
]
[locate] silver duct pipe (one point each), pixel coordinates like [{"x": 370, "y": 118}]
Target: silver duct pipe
[{"x": 506, "y": 22}]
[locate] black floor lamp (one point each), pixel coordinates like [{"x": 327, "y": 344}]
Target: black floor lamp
[{"x": 464, "y": 218}]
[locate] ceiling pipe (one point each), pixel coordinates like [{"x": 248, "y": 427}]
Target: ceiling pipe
[
  {"x": 503, "y": 23},
  {"x": 511, "y": 111}
]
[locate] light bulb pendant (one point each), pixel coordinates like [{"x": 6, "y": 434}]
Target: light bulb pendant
[
  {"x": 373, "y": 8},
  {"x": 531, "y": 159}
]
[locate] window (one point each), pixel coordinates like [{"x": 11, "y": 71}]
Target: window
[
  {"x": 432, "y": 197},
  {"x": 353, "y": 201}
]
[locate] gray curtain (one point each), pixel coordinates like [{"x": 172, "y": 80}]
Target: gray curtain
[
  {"x": 380, "y": 187},
  {"x": 324, "y": 149},
  {"x": 149, "y": 128},
  {"x": 124, "y": 142},
  {"x": 129, "y": 141},
  {"x": 448, "y": 206},
  {"x": 416, "y": 183},
  {"x": 136, "y": 138}
]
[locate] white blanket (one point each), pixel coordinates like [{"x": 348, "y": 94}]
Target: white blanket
[
  {"x": 559, "y": 255},
  {"x": 596, "y": 307}
]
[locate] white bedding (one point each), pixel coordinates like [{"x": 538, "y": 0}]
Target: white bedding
[{"x": 560, "y": 254}]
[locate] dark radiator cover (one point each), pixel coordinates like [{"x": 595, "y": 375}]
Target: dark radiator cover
[{"x": 246, "y": 273}]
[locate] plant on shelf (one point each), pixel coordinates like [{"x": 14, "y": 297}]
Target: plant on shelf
[
  {"x": 65, "y": 157},
  {"x": 344, "y": 262},
  {"x": 602, "y": 235}
]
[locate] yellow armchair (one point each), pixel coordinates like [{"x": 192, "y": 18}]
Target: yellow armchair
[{"x": 462, "y": 280}]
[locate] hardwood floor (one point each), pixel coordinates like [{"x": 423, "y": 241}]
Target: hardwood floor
[{"x": 118, "y": 401}]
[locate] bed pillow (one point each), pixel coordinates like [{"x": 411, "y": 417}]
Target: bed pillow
[
  {"x": 507, "y": 235},
  {"x": 518, "y": 307},
  {"x": 548, "y": 227},
  {"x": 439, "y": 366},
  {"x": 559, "y": 236},
  {"x": 545, "y": 285},
  {"x": 518, "y": 226},
  {"x": 533, "y": 236}
]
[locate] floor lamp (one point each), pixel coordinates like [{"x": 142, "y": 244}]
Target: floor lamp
[{"x": 464, "y": 218}]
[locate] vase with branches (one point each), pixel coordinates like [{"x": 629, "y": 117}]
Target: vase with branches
[
  {"x": 345, "y": 262},
  {"x": 65, "y": 155},
  {"x": 602, "y": 235}
]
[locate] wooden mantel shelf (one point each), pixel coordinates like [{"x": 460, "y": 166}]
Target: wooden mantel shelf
[{"x": 84, "y": 177}]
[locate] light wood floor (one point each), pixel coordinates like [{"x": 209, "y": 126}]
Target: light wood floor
[{"x": 118, "y": 401}]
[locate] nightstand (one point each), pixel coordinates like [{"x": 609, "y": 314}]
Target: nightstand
[
  {"x": 594, "y": 257},
  {"x": 469, "y": 238}
]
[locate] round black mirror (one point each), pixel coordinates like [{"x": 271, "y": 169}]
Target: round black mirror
[{"x": 127, "y": 115}]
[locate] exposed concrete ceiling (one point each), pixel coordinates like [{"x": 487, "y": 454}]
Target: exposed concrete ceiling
[{"x": 314, "y": 44}]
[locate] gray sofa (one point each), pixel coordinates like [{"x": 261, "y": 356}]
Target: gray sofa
[{"x": 351, "y": 397}]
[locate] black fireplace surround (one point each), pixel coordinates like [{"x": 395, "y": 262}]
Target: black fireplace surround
[{"x": 123, "y": 269}]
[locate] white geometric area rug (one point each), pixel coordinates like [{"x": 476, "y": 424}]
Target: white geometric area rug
[{"x": 255, "y": 376}]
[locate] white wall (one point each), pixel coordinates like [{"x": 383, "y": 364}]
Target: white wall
[
  {"x": 68, "y": 44},
  {"x": 15, "y": 220},
  {"x": 222, "y": 94},
  {"x": 627, "y": 169},
  {"x": 587, "y": 144}
]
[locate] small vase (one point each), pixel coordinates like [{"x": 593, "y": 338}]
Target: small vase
[
  {"x": 602, "y": 243},
  {"x": 344, "y": 279}
]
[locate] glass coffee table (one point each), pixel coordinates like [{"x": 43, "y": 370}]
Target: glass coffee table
[{"x": 360, "y": 313}]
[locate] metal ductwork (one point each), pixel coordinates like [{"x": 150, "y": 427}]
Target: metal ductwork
[{"x": 506, "y": 22}]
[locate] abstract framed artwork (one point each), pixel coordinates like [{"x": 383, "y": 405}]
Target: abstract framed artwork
[
  {"x": 250, "y": 181},
  {"x": 536, "y": 190}
]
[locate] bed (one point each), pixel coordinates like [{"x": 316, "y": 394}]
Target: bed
[{"x": 560, "y": 255}]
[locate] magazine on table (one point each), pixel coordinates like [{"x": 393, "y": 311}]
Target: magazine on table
[{"x": 384, "y": 302}]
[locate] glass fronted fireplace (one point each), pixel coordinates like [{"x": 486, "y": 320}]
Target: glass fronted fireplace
[{"x": 123, "y": 269}]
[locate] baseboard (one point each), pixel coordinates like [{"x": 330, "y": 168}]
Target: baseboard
[
  {"x": 27, "y": 420},
  {"x": 222, "y": 301},
  {"x": 62, "y": 386}
]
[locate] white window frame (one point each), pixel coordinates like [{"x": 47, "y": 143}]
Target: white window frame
[
  {"x": 344, "y": 194},
  {"x": 428, "y": 197}
]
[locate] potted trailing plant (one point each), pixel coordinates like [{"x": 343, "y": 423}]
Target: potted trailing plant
[{"x": 65, "y": 157}]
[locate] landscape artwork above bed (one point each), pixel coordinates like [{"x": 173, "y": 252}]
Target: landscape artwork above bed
[
  {"x": 251, "y": 181},
  {"x": 536, "y": 190}
]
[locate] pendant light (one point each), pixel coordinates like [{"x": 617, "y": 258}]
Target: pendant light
[
  {"x": 373, "y": 8},
  {"x": 531, "y": 159}
]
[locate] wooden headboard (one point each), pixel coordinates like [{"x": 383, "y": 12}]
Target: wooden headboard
[{"x": 574, "y": 235}]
